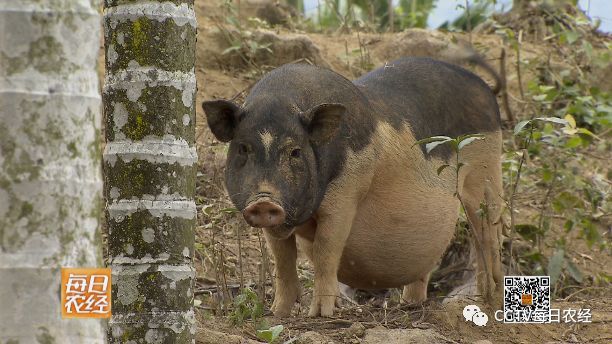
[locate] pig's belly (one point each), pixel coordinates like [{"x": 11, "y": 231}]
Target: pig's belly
[{"x": 397, "y": 238}]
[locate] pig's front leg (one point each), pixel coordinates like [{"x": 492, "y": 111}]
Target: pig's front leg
[
  {"x": 286, "y": 283},
  {"x": 330, "y": 238}
]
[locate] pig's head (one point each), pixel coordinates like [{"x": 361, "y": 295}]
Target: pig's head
[{"x": 273, "y": 169}]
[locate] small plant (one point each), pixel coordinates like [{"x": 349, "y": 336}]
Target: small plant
[
  {"x": 457, "y": 144},
  {"x": 246, "y": 306},
  {"x": 241, "y": 39},
  {"x": 555, "y": 148}
]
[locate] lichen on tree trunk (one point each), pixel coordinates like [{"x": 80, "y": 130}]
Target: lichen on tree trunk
[
  {"x": 149, "y": 168},
  {"x": 49, "y": 164}
]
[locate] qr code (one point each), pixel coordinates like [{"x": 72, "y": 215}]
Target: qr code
[{"x": 526, "y": 299}]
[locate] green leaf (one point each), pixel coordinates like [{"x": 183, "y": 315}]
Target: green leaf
[
  {"x": 441, "y": 168},
  {"x": 540, "y": 97},
  {"x": 555, "y": 265},
  {"x": 430, "y": 146},
  {"x": 573, "y": 142},
  {"x": 590, "y": 232},
  {"x": 571, "y": 36},
  {"x": 265, "y": 335},
  {"x": 469, "y": 140},
  {"x": 229, "y": 210},
  {"x": 271, "y": 334},
  {"x": 519, "y": 126},
  {"x": 552, "y": 120},
  {"x": 546, "y": 88},
  {"x": 587, "y": 132},
  {"x": 230, "y": 49},
  {"x": 432, "y": 139},
  {"x": 574, "y": 271},
  {"x": 566, "y": 200},
  {"x": 547, "y": 175},
  {"x": 527, "y": 231},
  {"x": 463, "y": 137}
]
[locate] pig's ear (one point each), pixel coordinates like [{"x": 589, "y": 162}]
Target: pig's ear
[
  {"x": 323, "y": 121},
  {"x": 222, "y": 118}
]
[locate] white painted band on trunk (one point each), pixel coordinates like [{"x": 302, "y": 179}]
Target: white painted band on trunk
[
  {"x": 147, "y": 260},
  {"x": 52, "y": 7},
  {"x": 136, "y": 78},
  {"x": 79, "y": 83},
  {"x": 120, "y": 269},
  {"x": 174, "y": 320},
  {"x": 185, "y": 209},
  {"x": 159, "y": 151},
  {"x": 148, "y": 74},
  {"x": 160, "y": 11}
]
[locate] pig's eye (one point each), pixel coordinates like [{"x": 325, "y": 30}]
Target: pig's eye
[
  {"x": 296, "y": 153},
  {"x": 242, "y": 149}
]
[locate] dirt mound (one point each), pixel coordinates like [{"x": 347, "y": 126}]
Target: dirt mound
[
  {"x": 230, "y": 49},
  {"x": 419, "y": 42}
]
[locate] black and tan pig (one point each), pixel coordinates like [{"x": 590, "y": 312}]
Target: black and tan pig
[{"x": 332, "y": 164}]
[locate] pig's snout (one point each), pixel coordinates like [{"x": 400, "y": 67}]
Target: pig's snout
[{"x": 264, "y": 213}]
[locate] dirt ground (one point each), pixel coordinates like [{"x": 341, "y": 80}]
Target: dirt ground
[{"x": 231, "y": 254}]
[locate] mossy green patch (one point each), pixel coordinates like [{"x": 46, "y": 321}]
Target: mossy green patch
[
  {"x": 163, "y": 114},
  {"x": 140, "y": 30},
  {"x": 157, "y": 291},
  {"x": 129, "y": 231},
  {"x": 22, "y": 168},
  {"x": 72, "y": 148},
  {"x": 45, "y": 55},
  {"x": 26, "y": 209},
  {"x": 139, "y": 177},
  {"x": 152, "y": 43}
]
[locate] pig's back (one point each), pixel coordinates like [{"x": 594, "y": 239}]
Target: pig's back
[{"x": 432, "y": 97}]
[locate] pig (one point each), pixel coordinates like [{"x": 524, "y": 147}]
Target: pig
[{"x": 331, "y": 166}]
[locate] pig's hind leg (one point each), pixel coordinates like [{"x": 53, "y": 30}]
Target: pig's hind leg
[
  {"x": 481, "y": 194},
  {"x": 415, "y": 292}
]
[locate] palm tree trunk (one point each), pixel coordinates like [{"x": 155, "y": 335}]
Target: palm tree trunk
[
  {"x": 149, "y": 168},
  {"x": 49, "y": 164}
]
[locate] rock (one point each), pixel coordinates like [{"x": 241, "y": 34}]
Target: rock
[
  {"x": 286, "y": 48},
  {"x": 482, "y": 341},
  {"x": 312, "y": 337},
  {"x": 276, "y": 13},
  {"x": 381, "y": 335},
  {"x": 357, "y": 330}
]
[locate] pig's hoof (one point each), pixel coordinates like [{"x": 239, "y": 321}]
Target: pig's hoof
[
  {"x": 322, "y": 305},
  {"x": 281, "y": 313},
  {"x": 281, "y": 309}
]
